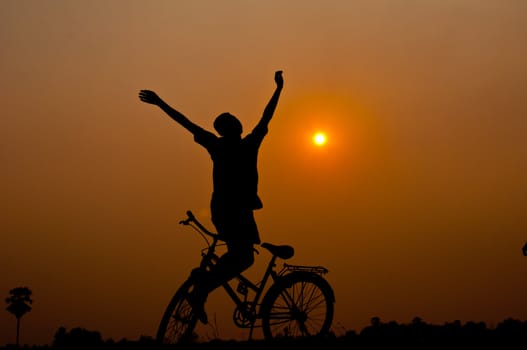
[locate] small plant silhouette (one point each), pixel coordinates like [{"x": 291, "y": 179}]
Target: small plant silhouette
[{"x": 19, "y": 303}]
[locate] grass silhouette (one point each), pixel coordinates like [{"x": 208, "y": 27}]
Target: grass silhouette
[{"x": 508, "y": 334}]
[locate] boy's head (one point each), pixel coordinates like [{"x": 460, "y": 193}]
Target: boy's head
[{"x": 228, "y": 125}]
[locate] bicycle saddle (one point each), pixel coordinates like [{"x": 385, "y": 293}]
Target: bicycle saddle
[{"x": 282, "y": 251}]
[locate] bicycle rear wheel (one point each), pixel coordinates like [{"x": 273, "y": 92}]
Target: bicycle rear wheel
[
  {"x": 178, "y": 322},
  {"x": 298, "y": 305}
]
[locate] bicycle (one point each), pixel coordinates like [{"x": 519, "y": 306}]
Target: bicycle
[{"x": 295, "y": 301}]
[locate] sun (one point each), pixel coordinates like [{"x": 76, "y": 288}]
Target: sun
[{"x": 320, "y": 139}]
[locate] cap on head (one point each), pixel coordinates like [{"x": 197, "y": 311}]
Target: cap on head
[{"x": 228, "y": 125}]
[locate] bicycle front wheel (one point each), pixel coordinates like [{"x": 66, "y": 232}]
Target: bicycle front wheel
[
  {"x": 178, "y": 322},
  {"x": 298, "y": 305}
]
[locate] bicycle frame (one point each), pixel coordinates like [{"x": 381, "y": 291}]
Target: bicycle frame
[
  {"x": 209, "y": 257},
  {"x": 249, "y": 310}
]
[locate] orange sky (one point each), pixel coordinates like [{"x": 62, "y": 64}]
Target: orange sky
[{"x": 416, "y": 205}]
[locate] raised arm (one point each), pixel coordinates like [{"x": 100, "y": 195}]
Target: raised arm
[
  {"x": 151, "y": 97},
  {"x": 271, "y": 105}
]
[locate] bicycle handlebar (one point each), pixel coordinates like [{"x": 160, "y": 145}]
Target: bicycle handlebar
[{"x": 192, "y": 219}]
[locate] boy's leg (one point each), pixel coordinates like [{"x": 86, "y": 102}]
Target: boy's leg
[{"x": 238, "y": 258}]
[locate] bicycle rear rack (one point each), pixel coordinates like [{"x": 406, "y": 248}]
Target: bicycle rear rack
[{"x": 303, "y": 268}]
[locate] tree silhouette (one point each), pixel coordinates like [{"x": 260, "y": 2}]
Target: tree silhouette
[{"x": 19, "y": 303}]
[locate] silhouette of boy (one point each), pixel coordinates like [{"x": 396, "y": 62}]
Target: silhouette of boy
[{"x": 235, "y": 189}]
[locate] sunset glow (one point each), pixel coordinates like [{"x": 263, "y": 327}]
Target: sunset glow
[
  {"x": 395, "y": 158},
  {"x": 320, "y": 139}
]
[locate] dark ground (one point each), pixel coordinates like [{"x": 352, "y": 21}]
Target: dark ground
[{"x": 508, "y": 334}]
